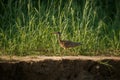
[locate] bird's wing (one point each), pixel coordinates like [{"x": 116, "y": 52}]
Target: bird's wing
[{"x": 70, "y": 43}]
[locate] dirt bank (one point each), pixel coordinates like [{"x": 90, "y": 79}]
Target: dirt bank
[{"x": 59, "y": 68}]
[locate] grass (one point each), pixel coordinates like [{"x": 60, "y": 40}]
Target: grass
[{"x": 26, "y": 28}]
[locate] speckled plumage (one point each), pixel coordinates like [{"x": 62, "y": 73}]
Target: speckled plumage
[{"x": 66, "y": 44}]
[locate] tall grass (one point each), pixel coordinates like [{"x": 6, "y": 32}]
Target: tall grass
[{"x": 27, "y": 26}]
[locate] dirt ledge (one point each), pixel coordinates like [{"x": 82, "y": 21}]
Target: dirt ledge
[{"x": 59, "y": 68}]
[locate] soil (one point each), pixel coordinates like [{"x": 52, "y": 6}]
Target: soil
[{"x": 59, "y": 68}]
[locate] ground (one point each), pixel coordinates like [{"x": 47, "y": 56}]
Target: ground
[{"x": 59, "y": 68}]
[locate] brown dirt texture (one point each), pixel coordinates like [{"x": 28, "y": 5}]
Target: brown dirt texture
[{"x": 59, "y": 68}]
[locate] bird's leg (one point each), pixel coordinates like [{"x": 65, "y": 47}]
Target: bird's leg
[
  {"x": 67, "y": 51},
  {"x": 62, "y": 51}
]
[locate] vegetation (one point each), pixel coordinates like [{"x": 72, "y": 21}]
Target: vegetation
[{"x": 26, "y": 26}]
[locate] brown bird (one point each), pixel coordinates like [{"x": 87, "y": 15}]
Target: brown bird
[{"x": 66, "y": 44}]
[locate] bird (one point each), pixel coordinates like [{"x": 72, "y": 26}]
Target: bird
[{"x": 66, "y": 44}]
